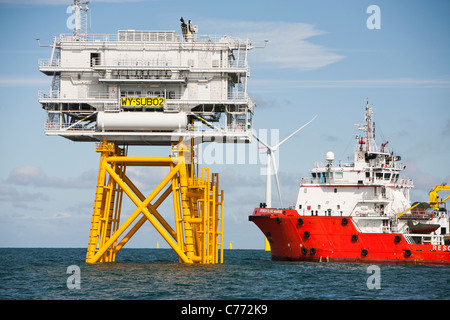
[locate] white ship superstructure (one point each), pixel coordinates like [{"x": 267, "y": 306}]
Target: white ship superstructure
[
  {"x": 148, "y": 87},
  {"x": 369, "y": 189}
]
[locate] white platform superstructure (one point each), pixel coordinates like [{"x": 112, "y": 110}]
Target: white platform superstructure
[{"x": 148, "y": 87}]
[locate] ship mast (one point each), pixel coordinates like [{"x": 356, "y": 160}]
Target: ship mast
[{"x": 369, "y": 131}]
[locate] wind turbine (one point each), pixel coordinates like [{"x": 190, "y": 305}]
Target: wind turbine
[{"x": 271, "y": 164}]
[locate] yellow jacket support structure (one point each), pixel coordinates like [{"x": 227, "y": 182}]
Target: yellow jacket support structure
[{"x": 197, "y": 203}]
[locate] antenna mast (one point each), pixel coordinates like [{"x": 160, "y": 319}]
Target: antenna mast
[{"x": 81, "y": 9}]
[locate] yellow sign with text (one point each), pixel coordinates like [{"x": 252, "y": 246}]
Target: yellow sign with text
[{"x": 142, "y": 102}]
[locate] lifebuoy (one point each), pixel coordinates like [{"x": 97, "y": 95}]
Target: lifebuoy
[
  {"x": 239, "y": 126},
  {"x": 51, "y": 125}
]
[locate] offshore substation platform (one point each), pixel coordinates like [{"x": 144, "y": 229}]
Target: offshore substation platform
[{"x": 150, "y": 88}]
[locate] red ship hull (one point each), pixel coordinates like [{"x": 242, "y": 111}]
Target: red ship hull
[{"x": 328, "y": 238}]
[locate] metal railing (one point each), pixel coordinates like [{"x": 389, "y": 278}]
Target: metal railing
[
  {"x": 234, "y": 96},
  {"x": 163, "y": 63},
  {"x": 197, "y": 127},
  {"x": 153, "y": 36},
  {"x": 49, "y": 63},
  {"x": 415, "y": 238},
  {"x": 82, "y": 96}
]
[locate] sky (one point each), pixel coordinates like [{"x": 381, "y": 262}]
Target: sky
[{"x": 320, "y": 59}]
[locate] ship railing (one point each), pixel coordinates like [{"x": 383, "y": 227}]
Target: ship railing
[
  {"x": 308, "y": 181},
  {"x": 416, "y": 238},
  {"x": 374, "y": 149},
  {"x": 406, "y": 183},
  {"x": 334, "y": 164},
  {"x": 420, "y": 214}
]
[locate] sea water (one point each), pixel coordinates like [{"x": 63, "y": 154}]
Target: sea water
[{"x": 156, "y": 274}]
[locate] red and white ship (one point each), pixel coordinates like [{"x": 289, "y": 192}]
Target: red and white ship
[{"x": 358, "y": 212}]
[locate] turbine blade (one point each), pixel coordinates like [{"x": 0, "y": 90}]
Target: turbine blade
[
  {"x": 278, "y": 145},
  {"x": 262, "y": 142}
]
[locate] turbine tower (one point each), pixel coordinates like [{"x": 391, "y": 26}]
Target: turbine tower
[{"x": 271, "y": 164}]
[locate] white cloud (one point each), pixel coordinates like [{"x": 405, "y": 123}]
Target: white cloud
[
  {"x": 22, "y": 81},
  {"x": 33, "y": 176},
  {"x": 11, "y": 194},
  {"x": 289, "y": 43},
  {"x": 61, "y": 215}
]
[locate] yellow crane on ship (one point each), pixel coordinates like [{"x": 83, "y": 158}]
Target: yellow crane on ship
[{"x": 434, "y": 201}]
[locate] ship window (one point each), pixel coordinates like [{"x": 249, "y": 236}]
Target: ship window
[
  {"x": 306, "y": 190},
  {"x": 338, "y": 175},
  {"x": 299, "y": 206},
  {"x": 318, "y": 206},
  {"x": 313, "y": 174},
  {"x": 335, "y": 190},
  {"x": 387, "y": 176},
  {"x": 338, "y": 207},
  {"x": 367, "y": 174},
  {"x": 379, "y": 175}
]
